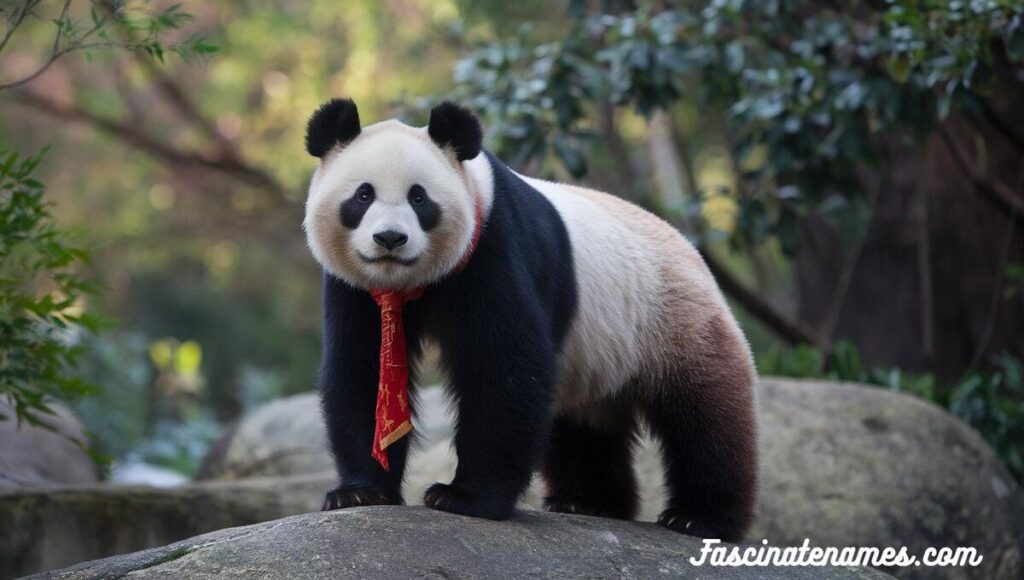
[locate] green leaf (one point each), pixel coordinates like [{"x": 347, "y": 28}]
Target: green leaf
[
  {"x": 899, "y": 68},
  {"x": 570, "y": 157}
]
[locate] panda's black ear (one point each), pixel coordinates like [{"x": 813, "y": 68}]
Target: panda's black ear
[
  {"x": 456, "y": 127},
  {"x": 336, "y": 122}
]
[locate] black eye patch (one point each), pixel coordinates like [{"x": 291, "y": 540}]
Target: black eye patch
[
  {"x": 427, "y": 211},
  {"x": 354, "y": 207}
]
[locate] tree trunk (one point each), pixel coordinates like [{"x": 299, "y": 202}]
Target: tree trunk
[{"x": 926, "y": 291}]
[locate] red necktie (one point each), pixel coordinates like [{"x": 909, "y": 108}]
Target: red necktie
[{"x": 394, "y": 418}]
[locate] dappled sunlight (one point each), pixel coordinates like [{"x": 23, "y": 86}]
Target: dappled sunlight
[{"x": 717, "y": 187}]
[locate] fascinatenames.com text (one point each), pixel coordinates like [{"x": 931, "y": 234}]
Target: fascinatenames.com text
[{"x": 715, "y": 554}]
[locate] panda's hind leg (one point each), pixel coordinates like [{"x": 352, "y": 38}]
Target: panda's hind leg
[
  {"x": 588, "y": 465},
  {"x": 705, "y": 420}
]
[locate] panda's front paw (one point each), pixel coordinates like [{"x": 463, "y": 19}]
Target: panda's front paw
[
  {"x": 453, "y": 499},
  {"x": 720, "y": 528},
  {"x": 345, "y": 496},
  {"x": 577, "y": 506}
]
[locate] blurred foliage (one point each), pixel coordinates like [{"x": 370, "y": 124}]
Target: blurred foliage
[
  {"x": 128, "y": 25},
  {"x": 151, "y": 408},
  {"x": 43, "y": 316},
  {"x": 806, "y": 87},
  {"x": 118, "y": 414},
  {"x": 991, "y": 402},
  {"x": 178, "y": 444},
  {"x": 1014, "y": 281},
  {"x": 41, "y": 294},
  {"x": 178, "y": 364}
]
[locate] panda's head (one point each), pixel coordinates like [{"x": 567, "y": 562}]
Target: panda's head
[{"x": 391, "y": 206}]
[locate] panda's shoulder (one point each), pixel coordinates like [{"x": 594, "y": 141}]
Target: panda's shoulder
[{"x": 517, "y": 200}]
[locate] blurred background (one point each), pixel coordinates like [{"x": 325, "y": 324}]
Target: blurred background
[{"x": 853, "y": 172}]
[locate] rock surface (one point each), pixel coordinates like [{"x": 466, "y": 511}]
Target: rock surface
[
  {"x": 287, "y": 437},
  {"x": 34, "y": 456},
  {"x": 50, "y": 527},
  {"x": 407, "y": 542},
  {"x": 858, "y": 466},
  {"x": 843, "y": 465}
]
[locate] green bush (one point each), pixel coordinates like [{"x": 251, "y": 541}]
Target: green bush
[
  {"x": 118, "y": 416},
  {"x": 151, "y": 407},
  {"x": 808, "y": 85},
  {"x": 41, "y": 297}
]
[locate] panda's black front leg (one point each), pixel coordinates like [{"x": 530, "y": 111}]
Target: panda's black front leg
[
  {"x": 349, "y": 377},
  {"x": 502, "y": 374}
]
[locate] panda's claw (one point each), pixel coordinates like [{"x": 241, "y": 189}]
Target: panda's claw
[
  {"x": 345, "y": 497},
  {"x": 683, "y": 523},
  {"x": 330, "y": 503},
  {"x": 577, "y": 506},
  {"x": 452, "y": 498}
]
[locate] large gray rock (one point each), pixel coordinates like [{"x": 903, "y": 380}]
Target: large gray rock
[
  {"x": 406, "y": 542},
  {"x": 34, "y": 456},
  {"x": 857, "y": 466},
  {"x": 843, "y": 465},
  {"x": 49, "y": 527},
  {"x": 287, "y": 437}
]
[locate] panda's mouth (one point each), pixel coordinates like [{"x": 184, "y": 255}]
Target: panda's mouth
[{"x": 388, "y": 259}]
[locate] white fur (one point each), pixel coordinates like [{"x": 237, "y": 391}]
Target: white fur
[
  {"x": 642, "y": 289},
  {"x": 480, "y": 180},
  {"x": 616, "y": 289}
]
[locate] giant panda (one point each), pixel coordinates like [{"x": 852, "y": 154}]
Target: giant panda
[{"x": 565, "y": 317}]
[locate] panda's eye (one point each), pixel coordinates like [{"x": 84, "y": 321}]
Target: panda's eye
[
  {"x": 365, "y": 193},
  {"x": 417, "y": 196}
]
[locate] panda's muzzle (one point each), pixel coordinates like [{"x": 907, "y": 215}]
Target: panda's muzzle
[
  {"x": 387, "y": 258},
  {"x": 390, "y": 239}
]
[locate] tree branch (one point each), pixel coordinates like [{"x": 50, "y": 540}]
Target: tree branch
[
  {"x": 177, "y": 96},
  {"x": 188, "y": 109},
  {"x": 924, "y": 269},
  {"x": 1003, "y": 128},
  {"x": 850, "y": 261},
  {"x": 996, "y": 191},
  {"x": 791, "y": 330},
  {"x": 56, "y": 51},
  {"x": 132, "y": 135},
  {"x": 672, "y": 176},
  {"x": 15, "y": 21},
  {"x": 997, "y": 289},
  {"x": 629, "y": 182},
  {"x": 669, "y": 178}
]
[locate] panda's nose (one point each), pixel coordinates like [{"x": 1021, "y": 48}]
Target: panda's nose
[{"x": 390, "y": 239}]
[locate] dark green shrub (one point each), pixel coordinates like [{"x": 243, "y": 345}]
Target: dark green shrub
[{"x": 42, "y": 293}]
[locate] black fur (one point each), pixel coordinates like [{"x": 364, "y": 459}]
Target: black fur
[
  {"x": 589, "y": 470},
  {"x": 336, "y": 122},
  {"x": 710, "y": 456},
  {"x": 428, "y": 213},
  {"x": 454, "y": 126},
  {"x": 353, "y": 208},
  {"x": 500, "y": 323}
]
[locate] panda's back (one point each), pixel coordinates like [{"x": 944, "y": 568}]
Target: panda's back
[{"x": 642, "y": 287}]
